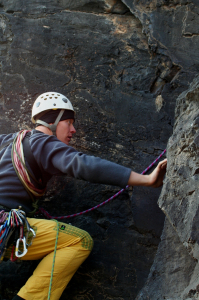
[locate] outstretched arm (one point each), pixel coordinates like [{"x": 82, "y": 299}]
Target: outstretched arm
[
  {"x": 54, "y": 157},
  {"x": 155, "y": 179}
]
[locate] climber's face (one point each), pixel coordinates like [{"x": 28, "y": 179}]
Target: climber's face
[{"x": 65, "y": 130}]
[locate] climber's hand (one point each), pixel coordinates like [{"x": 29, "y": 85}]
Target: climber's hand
[{"x": 157, "y": 176}]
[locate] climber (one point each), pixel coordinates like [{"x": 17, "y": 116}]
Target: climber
[{"x": 46, "y": 153}]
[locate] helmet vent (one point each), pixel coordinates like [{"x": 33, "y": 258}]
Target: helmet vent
[
  {"x": 65, "y": 100},
  {"x": 37, "y": 104},
  {"x": 45, "y": 98}
]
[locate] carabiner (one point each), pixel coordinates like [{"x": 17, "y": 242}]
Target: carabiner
[
  {"x": 19, "y": 217},
  {"x": 23, "y": 241},
  {"x": 33, "y": 236},
  {"x": 9, "y": 216}
]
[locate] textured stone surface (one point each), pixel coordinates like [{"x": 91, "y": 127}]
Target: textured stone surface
[
  {"x": 123, "y": 72},
  {"x": 181, "y": 183},
  {"x": 172, "y": 268},
  {"x": 174, "y": 274},
  {"x": 172, "y": 28}
]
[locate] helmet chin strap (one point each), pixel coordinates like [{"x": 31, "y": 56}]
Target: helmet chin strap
[{"x": 52, "y": 127}]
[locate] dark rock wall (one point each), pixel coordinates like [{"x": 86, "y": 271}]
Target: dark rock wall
[
  {"x": 172, "y": 268},
  {"x": 174, "y": 274},
  {"x": 122, "y": 64}
]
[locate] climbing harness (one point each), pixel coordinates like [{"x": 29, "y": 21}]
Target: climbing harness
[
  {"x": 48, "y": 216},
  {"x": 14, "y": 229}
]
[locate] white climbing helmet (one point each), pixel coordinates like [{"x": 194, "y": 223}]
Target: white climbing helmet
[{"x": 50, "y": 100}]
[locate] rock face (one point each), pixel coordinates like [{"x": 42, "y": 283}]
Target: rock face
[
  {"x": 122, "y": 64},
  {"x": 174, "y": 274},
  {"x": 172, "y": 269}
]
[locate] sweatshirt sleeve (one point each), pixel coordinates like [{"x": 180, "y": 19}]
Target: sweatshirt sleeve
[{"x": 54, "y": 157}]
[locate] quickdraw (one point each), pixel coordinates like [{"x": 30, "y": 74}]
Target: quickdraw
[{"x": 13, "y": 226}]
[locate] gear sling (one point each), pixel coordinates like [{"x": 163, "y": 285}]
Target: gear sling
[{"x": 14, "y": 227}]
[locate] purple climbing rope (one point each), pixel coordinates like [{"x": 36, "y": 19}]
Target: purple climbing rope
[{"x": 47, "y": 215}]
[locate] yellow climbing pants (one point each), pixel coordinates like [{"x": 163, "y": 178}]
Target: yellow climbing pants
[{"x": 74, "y": 246}]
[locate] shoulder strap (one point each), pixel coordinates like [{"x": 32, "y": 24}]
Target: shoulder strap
[
  {"x": 28, "y": 155},
  {"x": 6, "y": 144},
  {"x": 30, "y": 158}
]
